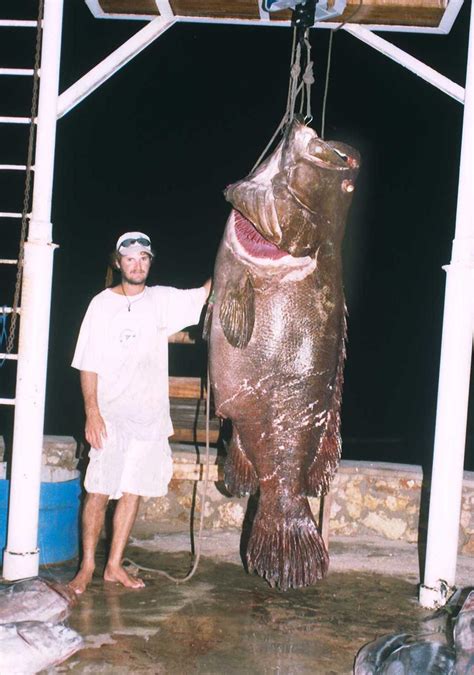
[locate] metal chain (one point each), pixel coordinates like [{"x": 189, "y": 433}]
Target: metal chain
[{"x": 27, "y": 191}]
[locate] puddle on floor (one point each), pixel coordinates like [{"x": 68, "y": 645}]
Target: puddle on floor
[{"x": 226, "y": 621}]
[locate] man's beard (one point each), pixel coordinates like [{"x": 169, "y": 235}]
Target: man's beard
[{"x": 132, "y": 281}]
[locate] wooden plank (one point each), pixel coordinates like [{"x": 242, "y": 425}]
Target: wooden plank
[
  {"x": 391, "y": 15},
  {"x": 129, "y": 7},
  {"x": 182, "y": 338},
  {"x": 189, "y": 421},
  {"x": 427, "y": 13},
  {"x": 190, "y": 464},
  {"x": 196, "y": 472},
  {"x": 194, "y": 435},
  {"x": 236, "y": 9},
  {"x": 186, "y": 387}
]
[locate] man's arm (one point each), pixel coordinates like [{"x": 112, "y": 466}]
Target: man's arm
[
  {"x": 208, "y": 285},
  {"x": 95, "y": 426}
]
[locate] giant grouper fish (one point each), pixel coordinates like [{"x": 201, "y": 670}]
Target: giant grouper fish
[{"x": 277, "y": 345}]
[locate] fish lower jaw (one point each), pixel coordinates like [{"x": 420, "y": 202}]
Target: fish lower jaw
[{"x": 287, "y": 266}]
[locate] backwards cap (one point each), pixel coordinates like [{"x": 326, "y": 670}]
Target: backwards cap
[{"x": 134, "y": 242}]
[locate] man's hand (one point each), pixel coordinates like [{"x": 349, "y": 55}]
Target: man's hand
[
  {"x": 95, "y": 429},
  {"x": 95, "y": 426},
  {"x": 208, "y": 285}
]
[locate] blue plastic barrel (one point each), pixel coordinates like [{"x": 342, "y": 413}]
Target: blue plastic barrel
[{"x": 58, "y": 527}]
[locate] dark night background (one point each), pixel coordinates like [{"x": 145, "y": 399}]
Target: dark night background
[{"x": 153, "y": 148}]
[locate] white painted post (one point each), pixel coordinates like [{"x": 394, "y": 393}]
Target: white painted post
[
  {"x": 21, "y": 558},
  {"x": 453, "y": 388}
]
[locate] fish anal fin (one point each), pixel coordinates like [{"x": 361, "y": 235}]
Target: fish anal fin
[
  {"x": 325, "y": 463},
  {"x": 239, "y": 474},
  {"x": 326, "y": 459},
  {"x": 237, "y": 312}
]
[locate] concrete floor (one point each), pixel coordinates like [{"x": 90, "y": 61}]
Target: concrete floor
[{"x": 226, "y": 621}]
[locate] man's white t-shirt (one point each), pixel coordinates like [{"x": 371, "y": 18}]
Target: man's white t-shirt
[
  {"x": 125, "y": 341},
  {"x": 128, "y": 349}
]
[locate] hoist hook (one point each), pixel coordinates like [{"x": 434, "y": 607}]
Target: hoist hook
[{"x": 303, "y": 18}]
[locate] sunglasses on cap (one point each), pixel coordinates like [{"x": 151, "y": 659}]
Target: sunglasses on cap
[{"x": 129, "y": 242}]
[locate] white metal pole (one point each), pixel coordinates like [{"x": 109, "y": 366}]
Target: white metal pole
[
  {"x": 21, "y": 558},
  {"x": 454, "y": 376}
]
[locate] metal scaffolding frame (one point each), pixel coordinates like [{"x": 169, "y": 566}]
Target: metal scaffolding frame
[{"x": 21, "y": 557}]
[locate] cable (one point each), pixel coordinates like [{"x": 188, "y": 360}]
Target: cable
[{"x": 326, "y": 84}]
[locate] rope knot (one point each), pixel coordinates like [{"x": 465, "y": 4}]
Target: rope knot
[
  {"x": 308, "y": 76},
  {"x": 295, "y": 71}
]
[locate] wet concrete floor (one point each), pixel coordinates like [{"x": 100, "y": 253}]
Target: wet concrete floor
[{"x": 226, "y": 621}]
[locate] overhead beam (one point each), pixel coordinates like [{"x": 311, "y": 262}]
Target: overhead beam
[
  {"x": 112, "y": 63},
  {"x": 407, "y": 61}
]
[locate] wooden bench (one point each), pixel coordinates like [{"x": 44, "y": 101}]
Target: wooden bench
[{"x": 188, "y": 404}]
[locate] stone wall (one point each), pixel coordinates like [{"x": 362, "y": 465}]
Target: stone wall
[{"x": 389, "y": 500}]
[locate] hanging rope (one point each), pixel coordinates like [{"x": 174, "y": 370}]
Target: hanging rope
[
  {"x": 27, "y": 192},
  {"x": 299, "y": 85},
  {"x": 326, "y": 85},
  {"x": 308, "y": 79},
  {"x": 328, "y": 66}
]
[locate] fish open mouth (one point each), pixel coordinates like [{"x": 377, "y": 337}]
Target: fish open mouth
[{"x": 253, "y": 242}]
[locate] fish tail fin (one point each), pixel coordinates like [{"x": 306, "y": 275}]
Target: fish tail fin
[
  {"x": 239, "y": 474},
  {"x": 286, "y": 548}
]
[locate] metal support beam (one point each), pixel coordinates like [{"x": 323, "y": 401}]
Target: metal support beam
[
  {"x": 21, "y": 558},
  {"x": 418, "y": 67},
  {"x": 454, "y": 376},
  {"x": 110, "y": 65}
]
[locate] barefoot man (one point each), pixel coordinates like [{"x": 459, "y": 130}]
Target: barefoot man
[{"x": 122, "y": 355}]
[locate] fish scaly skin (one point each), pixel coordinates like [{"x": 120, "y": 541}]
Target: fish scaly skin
[{"x": 277, "y": 345}]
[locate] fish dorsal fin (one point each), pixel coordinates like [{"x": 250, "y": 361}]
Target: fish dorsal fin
[{"x": 237, "y": 312}]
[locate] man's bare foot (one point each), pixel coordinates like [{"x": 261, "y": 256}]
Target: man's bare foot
[
  {"x": 81, "y": 580},
  {"x": 121, "y": 576}
]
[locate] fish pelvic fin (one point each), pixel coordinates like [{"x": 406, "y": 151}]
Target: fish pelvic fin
[
  {"x": 237, "y": 312},
  {"x": 286, "y": 549},
  {"x": 326, "y": 459},
  {"x": 239, "y": 473}
]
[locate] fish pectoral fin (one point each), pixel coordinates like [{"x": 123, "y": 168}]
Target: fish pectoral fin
[{"x": 237, "y": 312}]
